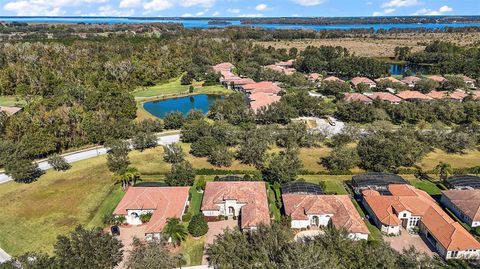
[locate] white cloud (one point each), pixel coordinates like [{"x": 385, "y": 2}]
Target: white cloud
[
  {"x": 429, "y": 12},
  {"x": 309, "y": 2},
  {"x": 200, "y": 13},
  {"x": 109, "y": 11},
  {"x": 233, "y": 10},
  {"x": 216, "y": 13},
  {"x": 187, "y": 15},
  {"x": 251, "y": 15},
  {"x": 384, "y": 12},
  {"x": 203, "y": 3},
  {"x": 130, "y": 3},
  {"x": 158, "y": 5},
  {"x": 369, "y": 3},
  {"x": 400, "y": 3},
  {"x": 261, "y": 7},
  {"x": 43, "y": 7}
]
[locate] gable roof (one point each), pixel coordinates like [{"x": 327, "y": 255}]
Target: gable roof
[
  {"x": 413, "y": 95},
  {"x": 456, "y": 95},
  {"x": 263, "y": 86},
  {"x": 10, "y": 110},
  {"x": 166, "y": 202},
  {"x": 384, "y": 96},
  {"x": 410, "y": 79},
  {"x": 357, "y": 80},
  {"x": 439, "y": 79},
  {"x": 349, "y": 97},
  {"x": 467, "y": 201},
  {"x": 299, "y": 206},
  {"x": 450, "y": 234},
  {"x": 332, "y": 78},
  {"x": 252, "y": 193},
  {"x": 391, "y": 79}
]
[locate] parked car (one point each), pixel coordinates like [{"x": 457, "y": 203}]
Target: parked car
[{"x": 115, "y": 230}]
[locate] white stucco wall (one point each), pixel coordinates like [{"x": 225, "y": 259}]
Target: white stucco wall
[
  {"x": 394, "y": 230},
  {"x": 131, "y": 219},
  {"x": 299, "y": 224},
  {"x": 224, "y": 209},
  {"x": 358, "y": 236}
]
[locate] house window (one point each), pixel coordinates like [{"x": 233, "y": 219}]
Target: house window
[
  {"x": 454, "y": 254},
  {"x": 404, "y": 215}
]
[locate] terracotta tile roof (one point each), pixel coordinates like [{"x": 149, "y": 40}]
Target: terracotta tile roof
[
  {"x": 450, "y": 234},
  {"x": 10, "y": 110},
  {"x": 439, "y": 79},
  {"x": 314, "y": 76},
  {"x": 468, "y": 201},
  {"x": 252, "y": 193},
  {"x": 391, "y": 79},
  {"x": 357, "y": 80},
  {"x": 410, "y": 79},
  {"x": 298, "y": 206},
  {"x": 264, "y": 86},
  {"x": 288, "y": 63},
  {"x": 223, "y": 67},
  {"x": 261, "y": 99},
  {"x": 413, "y": 95},
  {"x": 370, "y": 193},
  {"x": 467, "y": 79},
  {"x": 332, "y": 78},
  {"x": 384, "y": 96},
  {"x": 166, "y": 202},
  {"x": 456, "y": 95},
  {"x": 349, "y": 97}
]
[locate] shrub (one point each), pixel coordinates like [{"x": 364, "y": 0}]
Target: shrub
[
  {"x": 145, "y": 217},
  {"x": 173, "y": 120},
  {"x": 173, "y": 153},
  {"x": 58, "y": 163},
  {"x": 198, "y": 226},
  {"x": 201, "y": 183},
  {"x": 110, "y": 219},
  {"x": 187, "y": 217}
]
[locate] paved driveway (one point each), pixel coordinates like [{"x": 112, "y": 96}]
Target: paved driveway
[
  {"x": 405, "y": 240},
  {"x": 127, "y": 234},
  {"x": 90, "y": 153},
  {"x": 216, "y": 228}
]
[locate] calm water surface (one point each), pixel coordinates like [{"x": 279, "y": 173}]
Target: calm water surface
[
  {"x": 203, "y": 23},
  {"x": 181, "y": 104}
]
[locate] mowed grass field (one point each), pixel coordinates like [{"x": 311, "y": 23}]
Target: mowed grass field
[
  {"x": 10, "y": 101},
  {"x": 33, "y": 215}
]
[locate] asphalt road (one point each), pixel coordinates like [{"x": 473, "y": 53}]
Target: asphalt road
[{"x": 87, "y": 154}]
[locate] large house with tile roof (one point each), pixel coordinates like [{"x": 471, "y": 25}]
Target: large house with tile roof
[
  {"x": 162, "y": 202},
  {"x": 363, "y": 80},
  {"x": 355, "y": 96},
  {"x": 413, "y": 96},
  {"x": 465, "y": 204},
  {"x": 407, "y": 207},
  {"x": 384, "y": 96},
  {"x": 10, "y": 110},
  {"x": 246, "y": 200},
  {"x": 312, "y": 210}
]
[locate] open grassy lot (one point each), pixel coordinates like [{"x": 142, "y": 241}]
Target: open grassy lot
[
  {"x": 192, "y": 250},
  {"x": 33, "y": 215},
  {"x": 10, "y": 101},
  {"x": 426, "y": 186},
  {"x": 471, "y": 158}
]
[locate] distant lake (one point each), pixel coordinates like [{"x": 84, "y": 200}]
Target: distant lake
[
  {"x": 400, "y": 69},
  {"x": 181, "y": 104},
  {"x": 203, "y": 23}
]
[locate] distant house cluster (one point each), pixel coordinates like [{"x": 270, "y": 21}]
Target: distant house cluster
[
  {"x": 283, "y": 67},
  {"x": 261, "y": 94},
  {"x": 394, "y": 97}
]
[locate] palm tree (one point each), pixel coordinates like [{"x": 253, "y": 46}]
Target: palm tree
[
  {"x": 128, "y": 176},
  {"x": 175, "y": 231},
  {"x": 443, "y": 170}
]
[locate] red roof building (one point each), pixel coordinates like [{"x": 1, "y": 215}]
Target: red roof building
[
  {"x": 332, "y": 78},
  {"x": 391, "y": 79},
  {"x": 453, "y": 96},
  {"x": 384, "y": 96},
  {"x": 414, "y": 96},
  {"x": 162, "y": 202},
  {"x": 409, "y": 207},
  {"x": 244, "y": 199},
  {"x": 410, "y": 80},
  {"x": 438, "y": 79},
  {"x": 310, "y": 210},
  {"x": 10, "y": 110},
  {"x": 363, "y": 80},
  {"x": 264, "y": 86},
  {"x": 351, "y": 97}
]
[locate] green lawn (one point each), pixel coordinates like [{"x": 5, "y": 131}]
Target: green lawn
[
  {"x": 375, "y": 234},
  {"x": 426, "y": 186},
  {"x": 33, "y": 215},
  {"x": 107, "y": 206},
  {"x": 192, "y": 250},
  {"x": 173, "y": 87},
  {"x": 195, "y": 202},
  {"x": 10, "y": 101}
]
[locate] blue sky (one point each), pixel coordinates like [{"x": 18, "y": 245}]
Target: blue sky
[{"x": 238, "y": 8}]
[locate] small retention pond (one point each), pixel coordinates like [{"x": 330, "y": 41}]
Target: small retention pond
[{"x": 184, "y": 104}]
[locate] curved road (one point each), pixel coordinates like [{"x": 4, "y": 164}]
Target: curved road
[{"x": 89, "y": 153}]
